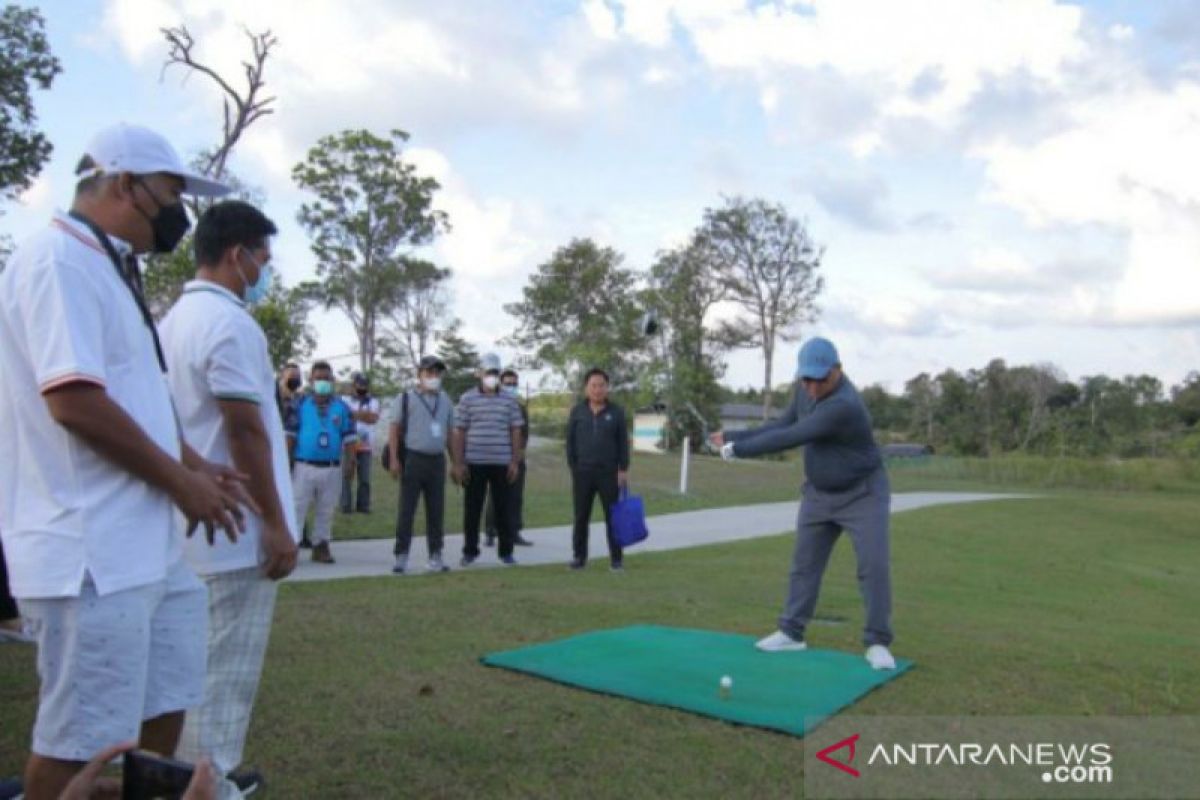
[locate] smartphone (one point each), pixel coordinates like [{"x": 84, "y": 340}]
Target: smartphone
[{"x": 147, "y": 776}]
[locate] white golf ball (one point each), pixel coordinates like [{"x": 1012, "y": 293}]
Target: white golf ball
[{"x": 726, "y": 682}]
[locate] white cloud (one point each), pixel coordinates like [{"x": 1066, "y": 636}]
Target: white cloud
[
  {"x": 600, "y": 19},
  {"x": 1126, "y": 162},
  {"x": 40, "y": 194},
  {"x": 887, "y": 44}
]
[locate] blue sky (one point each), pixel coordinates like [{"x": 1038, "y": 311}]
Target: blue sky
[{"x": 990, "y": 178}]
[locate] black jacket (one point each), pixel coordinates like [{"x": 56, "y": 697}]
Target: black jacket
[{"x": 597, "y": 441}]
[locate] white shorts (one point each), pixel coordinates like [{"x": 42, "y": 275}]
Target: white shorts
[{"x": 108, "y": 663}]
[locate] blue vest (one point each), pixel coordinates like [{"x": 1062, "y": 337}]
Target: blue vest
[{"x": 321, "y": 435}]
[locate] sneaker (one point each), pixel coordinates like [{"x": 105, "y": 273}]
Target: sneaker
[
  {"x": 321, "y": 554},
  {"x": 577, "y": 563},
  {"x": 616, "y": 566},
  {"x": 401, "y": 563},
  {"x": 508, "y": 560},
  {"x": 467, "y": 561},
  {"x": 489, "y": 540},
  {"x": 879, "y": 657},
  {"x": 779, "y": 642},
  {"x": 247, "y": 779},
  {"x": 522, "y": 541},
  {"x": 11, "y": 789},
  {"x": 435, "y": 564}
]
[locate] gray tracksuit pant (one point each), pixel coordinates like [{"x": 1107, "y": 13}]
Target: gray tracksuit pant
[{"x": 862, "y": 510}]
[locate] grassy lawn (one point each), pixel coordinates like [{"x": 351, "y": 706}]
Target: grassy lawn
[
  {"x": 1079, "y": 604},
  {"x": 548, "y": 491},
  {"x": 714, "y": 484}
]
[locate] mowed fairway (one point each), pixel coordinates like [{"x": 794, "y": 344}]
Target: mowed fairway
[{"x": 1076, "y": 604}]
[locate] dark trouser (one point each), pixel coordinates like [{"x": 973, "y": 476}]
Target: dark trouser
[
  {"x": 516, "y": 507},
  {"x": 422, "y": 474},
  {"x": 586, "y": 483},
  {"x": 362, "y": 468},
  {"x": 485, "y": 478},
  {"x": 8, "y": 606},
  {"x": 863, "y": 511}
]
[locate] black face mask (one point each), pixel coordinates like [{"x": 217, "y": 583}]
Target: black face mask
[
  {"x": 361, "y": 392},
  {"x": 169, "y": 224},
  {"x": 293, "y": 384}
]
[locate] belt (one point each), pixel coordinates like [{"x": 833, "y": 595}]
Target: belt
[{"x": 318, "y": 463}]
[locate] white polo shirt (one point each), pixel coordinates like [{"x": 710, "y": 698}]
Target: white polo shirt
[
  {"x": 216, "y": 351},
  {"x": 363, "y": 429},
  {"x": 66, "y": 315}
]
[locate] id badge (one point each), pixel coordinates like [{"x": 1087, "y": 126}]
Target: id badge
[
  {"x": 323, "y": 440},
  {"x": 435, "y": 428}
]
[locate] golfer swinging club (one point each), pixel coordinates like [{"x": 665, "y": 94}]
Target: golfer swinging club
[{"x": 846, "y": 488}]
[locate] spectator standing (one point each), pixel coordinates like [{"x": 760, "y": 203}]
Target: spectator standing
[
  {"x": 487, "y": 455},
  {"x": 598, "y": 457},
  {"x": 223, "y": 387},
  {"x": 322, "y": 437},
  {"x": 510, "y": 385},
  {"x": 365, "y": 408},
  {"x": 418, "y": 440},
  {"x": 95, "y": 467}
]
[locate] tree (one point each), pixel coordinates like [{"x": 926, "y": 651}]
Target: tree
[
  {"x": 685, "y": 285},
  {"x": 579, "y": 310},
  {"x": 1185, "y": 399},
  {"x": 420, "y": 313},
  {"x": 25, "y": 63},
  {"x": 371, "y": 208},
  {"x": 283, "y": 316},
  {"x": 241, "y": 109},
  {"x": 166, "y": 274},
  {"x": 770, "y": 265},
  {"x": 462, "y": 362}
]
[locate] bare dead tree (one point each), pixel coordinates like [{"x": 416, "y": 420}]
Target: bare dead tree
[{"x": 241, "y": 108}]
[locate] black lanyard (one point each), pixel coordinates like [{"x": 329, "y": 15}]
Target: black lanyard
[
  {"x": 130, "y": 278},
  {"x": 432, "y": 411}
]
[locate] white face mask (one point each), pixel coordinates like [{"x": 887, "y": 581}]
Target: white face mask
[
  {"x": 490, "y": 381},
  {"x": 432, "y": 384}
]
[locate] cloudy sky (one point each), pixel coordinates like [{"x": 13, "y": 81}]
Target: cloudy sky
[{"x": 990, "y": 178}]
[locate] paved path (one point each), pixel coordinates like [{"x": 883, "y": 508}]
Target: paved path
[{"x": 371, "y": 557}]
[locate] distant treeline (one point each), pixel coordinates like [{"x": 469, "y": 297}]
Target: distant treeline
[{"x": 1032, "y": 409}]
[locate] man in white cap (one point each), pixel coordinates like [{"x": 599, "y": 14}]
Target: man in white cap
[
  {"x": 846, "y": 488},
  {"x": 95, "y": 468}
]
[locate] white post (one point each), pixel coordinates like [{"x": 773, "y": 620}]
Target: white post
[{"x": 683, "y": 465}]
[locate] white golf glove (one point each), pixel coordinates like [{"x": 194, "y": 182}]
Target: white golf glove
[{"x": 727, "y": 453}]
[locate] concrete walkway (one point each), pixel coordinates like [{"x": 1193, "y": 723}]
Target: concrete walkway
[{"x": 360, "y": 558}]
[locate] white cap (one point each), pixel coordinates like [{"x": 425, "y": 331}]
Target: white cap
[
  {"x": 141, "y": 151},
  {"x": 489, "y": 362}
]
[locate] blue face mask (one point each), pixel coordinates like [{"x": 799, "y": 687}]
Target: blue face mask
[
  {"x": 323, "y": 388},
  {"x": 257, "y": 292},
  {"x": 511, "y": 391}
]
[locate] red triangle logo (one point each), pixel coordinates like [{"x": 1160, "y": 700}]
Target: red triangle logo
[{"x": 844, "y": 766}]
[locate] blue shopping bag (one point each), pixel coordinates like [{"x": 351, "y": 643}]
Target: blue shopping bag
[{"x": 629, "y": 519}]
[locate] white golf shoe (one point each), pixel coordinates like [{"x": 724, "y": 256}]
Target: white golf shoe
[
  {"x": 779, "y": 642},
  {"x": 879, "y": 657}
]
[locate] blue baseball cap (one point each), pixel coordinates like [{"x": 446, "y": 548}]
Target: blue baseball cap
[{"x": 816, "y": 358}]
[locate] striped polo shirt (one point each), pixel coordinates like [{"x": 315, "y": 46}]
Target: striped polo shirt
[{"x": 488, "y": 420}]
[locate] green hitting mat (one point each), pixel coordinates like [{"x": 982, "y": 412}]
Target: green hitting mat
[{"x": 682, "y": 668}]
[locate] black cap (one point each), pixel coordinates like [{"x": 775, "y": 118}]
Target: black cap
[
  {"x": 432, "y": 362},
  {"x": 360, "y": 379}
]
